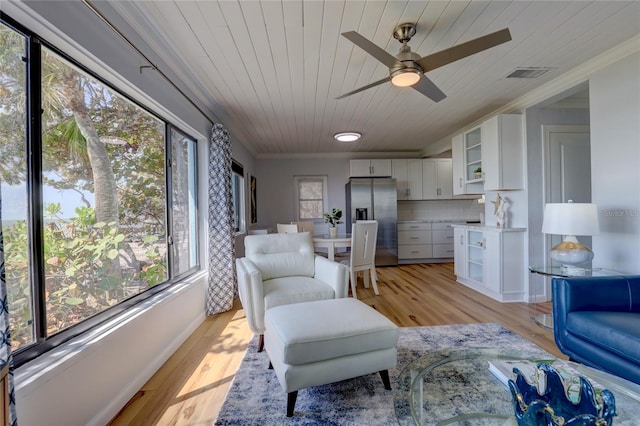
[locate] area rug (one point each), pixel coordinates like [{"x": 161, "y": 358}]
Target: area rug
[{"x": 256, "y": 397}]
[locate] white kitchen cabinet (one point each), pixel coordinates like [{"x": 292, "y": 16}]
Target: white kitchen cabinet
[
  {"x": 503, "y": 153},
  {"x": 460, "y": 252},
  {"x": 491, "y": 261},
  {"x": 442, "y": 240},
  {"x": 466, "y": 151},
  {"x": 445, "y": 178},
  {"x": 414, "y": 241},
  {"x": 505, "y": 270},
  {"x": 408, "y": 175},
  {"x": 425, "y": 242},
  {"x": 437, "y": 180},
  {"x": 372, "y": 168}
]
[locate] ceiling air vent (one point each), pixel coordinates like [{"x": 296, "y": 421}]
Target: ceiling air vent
[{"x": 529, "y": 72}]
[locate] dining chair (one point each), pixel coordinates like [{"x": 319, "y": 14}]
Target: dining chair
[
  {"x": 364, "y": 234},
  {"x": 287, "y": 228},
  {"x": 305, "y": 226}
]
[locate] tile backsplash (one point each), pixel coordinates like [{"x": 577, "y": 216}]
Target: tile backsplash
[{"x": 440, "y": 210}]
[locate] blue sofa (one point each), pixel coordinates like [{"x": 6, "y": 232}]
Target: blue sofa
[{"x": 597, "y": 322}]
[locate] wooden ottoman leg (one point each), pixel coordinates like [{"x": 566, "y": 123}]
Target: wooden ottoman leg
[
  {"x": 385, "y": 379},
  {"x": 261, "y": 343},
  {"x": 291, "y": 402}
]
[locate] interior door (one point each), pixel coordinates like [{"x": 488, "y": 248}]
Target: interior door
[
  {"x": 568, "y": 169},
  {"x": 569, "y": 164}
]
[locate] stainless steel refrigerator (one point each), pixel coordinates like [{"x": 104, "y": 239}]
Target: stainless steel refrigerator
[{"x": 375, "y": 199}]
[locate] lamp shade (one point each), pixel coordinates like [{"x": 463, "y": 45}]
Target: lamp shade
[{"x": 571, "y": 219}]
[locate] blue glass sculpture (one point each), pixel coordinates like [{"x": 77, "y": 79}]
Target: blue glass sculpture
[{"x": 554, "y": 407}]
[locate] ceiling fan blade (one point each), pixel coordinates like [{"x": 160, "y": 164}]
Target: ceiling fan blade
[
  {"x": 452, "y": 54},
  {"x": 372, "y": 49},
  {"x": 429, "y": 89},
  {"x": 368, "y": 86}
]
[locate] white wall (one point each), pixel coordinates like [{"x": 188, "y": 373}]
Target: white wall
[
  {"x": 276, "y": 190},
  {"x": 615, "y": 163}
]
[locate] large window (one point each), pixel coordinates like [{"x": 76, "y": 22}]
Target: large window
[
  {"x": 310, "y": 196},
  {"x": 183, "y": 220},
  {"x": 237, "y": 190},
  {"x": 98, "y": 196}
]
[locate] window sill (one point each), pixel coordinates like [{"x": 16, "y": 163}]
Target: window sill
[{"x": 72, "y": 351}]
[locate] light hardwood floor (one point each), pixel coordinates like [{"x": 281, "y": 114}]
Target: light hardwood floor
[{"x": 190, "y": 387}]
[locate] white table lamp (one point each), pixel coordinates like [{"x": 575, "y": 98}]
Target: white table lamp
[{"x": 571, "y": 219}]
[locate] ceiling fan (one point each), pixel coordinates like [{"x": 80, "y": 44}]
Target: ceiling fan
[{"x": 408, "y": 68}]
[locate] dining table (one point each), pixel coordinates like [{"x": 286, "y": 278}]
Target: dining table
[{"x": 331, "y": 243}]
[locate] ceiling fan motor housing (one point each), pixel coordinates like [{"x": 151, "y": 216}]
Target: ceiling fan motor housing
[
  {"x": 404, "y": 32},
  {"x": 406, "y": 61}
]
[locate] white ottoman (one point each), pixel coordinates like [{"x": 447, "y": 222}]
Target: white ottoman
[{"x": 315, "y": 343}]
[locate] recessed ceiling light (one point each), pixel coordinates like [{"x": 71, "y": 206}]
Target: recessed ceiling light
[{"x": 347, "y": 136}]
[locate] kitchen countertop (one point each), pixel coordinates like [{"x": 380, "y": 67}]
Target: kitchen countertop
[
  {"x": 486, "y": 228},
  {"x": 453, "y": 221}
]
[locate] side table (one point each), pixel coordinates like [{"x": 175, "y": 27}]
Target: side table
[{"x": 546, "y": 320}]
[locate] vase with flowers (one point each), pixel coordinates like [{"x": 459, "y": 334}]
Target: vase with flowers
[{"x": 333, "y": 219}]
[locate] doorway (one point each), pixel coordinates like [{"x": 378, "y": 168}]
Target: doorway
[{"x": 567, "y": 165}]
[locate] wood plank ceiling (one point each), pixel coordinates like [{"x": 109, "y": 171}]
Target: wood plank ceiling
[{"x": 270, "y": 70}]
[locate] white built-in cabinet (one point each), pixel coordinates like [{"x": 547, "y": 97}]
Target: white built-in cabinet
[
  {"x": 425, "y": 242},
  {"x": 373, "y": 168},
  {"x": 489, "y": 157},
  {"x": 459, "y": 251},
  {"x": 423, "y": 179},
  {"x": 466, "y": 150},
  {"x": 408, "y": 175},
  {"x": 503, "y": 153},
  {"x": 437, "y": 181},
  {"x": 491, "y": 261}
]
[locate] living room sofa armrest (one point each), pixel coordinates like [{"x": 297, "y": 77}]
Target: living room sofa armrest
[
  {"x": 612, "y": 294},
  {"x": 333, "y": 274},
  {"x": 251, "y": 291}
]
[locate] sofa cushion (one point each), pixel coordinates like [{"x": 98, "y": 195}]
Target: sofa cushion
[
  {"x": 287, "y": 290},
  {"x": 618, "y": 332},
  {"x": 281, "y": 255},
  {"x": 317, "y": 331}
]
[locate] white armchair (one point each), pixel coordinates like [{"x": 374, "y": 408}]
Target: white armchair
[{"x": 280, "y": 269}]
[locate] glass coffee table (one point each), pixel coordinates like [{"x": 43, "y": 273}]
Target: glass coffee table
[{"x": 455, "y": 387}]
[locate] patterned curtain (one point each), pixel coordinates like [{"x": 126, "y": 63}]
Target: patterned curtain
[
  {"x": 222, "y": 288},
  {"x": 5, "y": 334}
]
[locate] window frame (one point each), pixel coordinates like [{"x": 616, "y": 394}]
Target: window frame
[
  {"x": 299, "y": 179},
  {"x": 34, "y": 185},
  {"x": 238, "y": 170}
]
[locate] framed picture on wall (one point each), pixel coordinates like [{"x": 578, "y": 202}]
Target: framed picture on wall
[{"x": 253, "y": 206}]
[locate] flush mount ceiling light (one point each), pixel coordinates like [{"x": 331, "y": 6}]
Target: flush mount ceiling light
[{"x": 347, "y": 136}]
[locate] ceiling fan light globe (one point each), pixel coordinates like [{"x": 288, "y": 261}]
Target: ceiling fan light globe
[{"x": 405, "y": 78}]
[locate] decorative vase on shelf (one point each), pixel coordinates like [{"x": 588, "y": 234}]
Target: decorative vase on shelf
[{"x": 333, "y": 231}]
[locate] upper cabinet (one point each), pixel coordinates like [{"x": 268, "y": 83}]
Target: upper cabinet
[
  {"x": 467, "y": 171},
  {"x": 503, "y": 153},
  {"x": 423, "y": 179},
  {"x": 408, "y": 175},
  {"x": 489, "y": 157},
  {"x": 373, "y": 168},
  {"x": 437, "y": 181}
]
